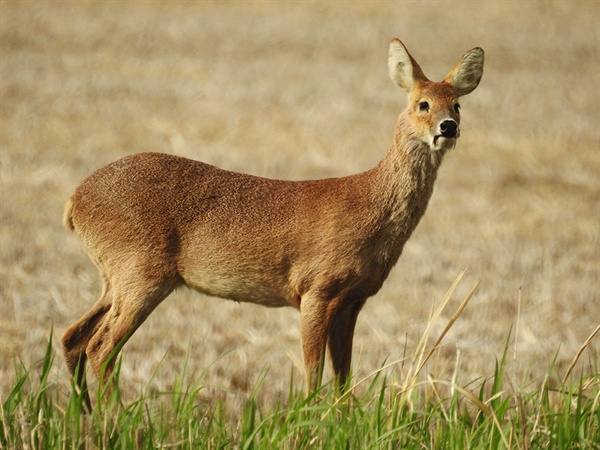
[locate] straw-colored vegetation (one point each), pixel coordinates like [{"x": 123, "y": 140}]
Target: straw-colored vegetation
[{"x": 295, "y": 91}]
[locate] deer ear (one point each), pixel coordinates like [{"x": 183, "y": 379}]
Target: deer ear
[
  {"x": 404, "y": 70},
  {"x": 467, "y": 73}
]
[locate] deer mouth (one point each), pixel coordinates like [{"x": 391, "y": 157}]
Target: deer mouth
[{"x": 444, "y": 142}]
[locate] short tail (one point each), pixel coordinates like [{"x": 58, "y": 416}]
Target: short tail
[{"x": 68, "y": 216}]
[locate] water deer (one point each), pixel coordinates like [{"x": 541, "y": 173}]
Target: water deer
[{"x": 154, "y": 222}]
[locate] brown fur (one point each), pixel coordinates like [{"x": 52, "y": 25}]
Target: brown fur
[{"x": 152, "y": 222}]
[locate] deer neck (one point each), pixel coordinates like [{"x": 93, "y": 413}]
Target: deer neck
[{"x": 402, "y": 186}]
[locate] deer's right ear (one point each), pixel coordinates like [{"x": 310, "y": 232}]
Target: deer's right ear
[{"x": 404, "y": 70}]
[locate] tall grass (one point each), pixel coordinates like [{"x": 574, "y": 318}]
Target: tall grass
[{"x": 377, "y": 412}]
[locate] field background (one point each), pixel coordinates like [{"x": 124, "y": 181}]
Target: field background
[{"x": 295, "y": 91}]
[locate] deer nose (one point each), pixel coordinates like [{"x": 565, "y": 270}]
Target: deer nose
[{"x": 449, "y": 128}]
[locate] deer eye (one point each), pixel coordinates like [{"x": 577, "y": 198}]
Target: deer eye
[
  {"x": 424, "y": 106},
  {"x": 456, "y": 108}
]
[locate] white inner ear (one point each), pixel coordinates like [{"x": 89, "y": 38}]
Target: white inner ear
[
  {"x": 400, "y": 66},
  {"x": 468, "y": 73}
]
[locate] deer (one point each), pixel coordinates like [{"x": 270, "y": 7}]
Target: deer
[{"x": 153, "y": 222}]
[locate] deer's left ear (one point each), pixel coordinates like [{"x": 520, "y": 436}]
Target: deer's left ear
[{"x": 467, "y": 73}]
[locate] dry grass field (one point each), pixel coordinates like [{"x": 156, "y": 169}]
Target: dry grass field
[{"x": 297, "y": 91}]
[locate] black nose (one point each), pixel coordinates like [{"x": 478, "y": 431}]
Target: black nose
[{"x": 449, "y": 128}]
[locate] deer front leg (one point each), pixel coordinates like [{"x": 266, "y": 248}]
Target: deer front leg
[
  {"x": 340, "y": 335},
  {"x": 315, "y": 317}
]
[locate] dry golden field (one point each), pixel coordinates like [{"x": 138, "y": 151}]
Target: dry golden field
[{"x": 295, "y": 91}]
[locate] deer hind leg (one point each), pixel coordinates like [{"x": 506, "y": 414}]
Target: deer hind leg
[
  {"x": 76, "y": 339},
  {"x": 133, "y": 301},
  {"x": 340, "y": 335}
]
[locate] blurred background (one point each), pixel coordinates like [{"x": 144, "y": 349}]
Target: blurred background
[{"x": 299, "y": 91}]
